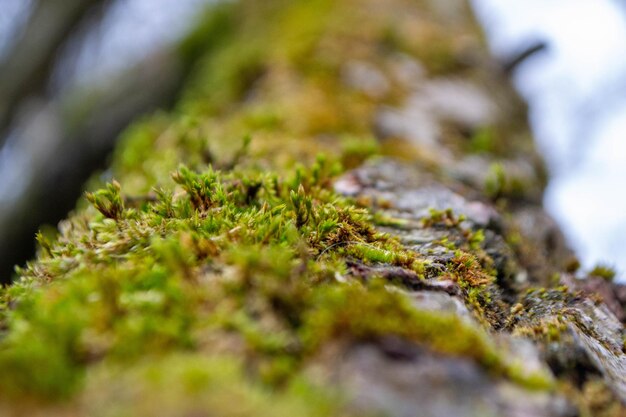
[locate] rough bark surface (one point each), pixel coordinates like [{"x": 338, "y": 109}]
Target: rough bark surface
[{"x": 374, "y": 245}]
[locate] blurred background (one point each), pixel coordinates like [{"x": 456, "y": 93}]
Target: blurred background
[
  {"x": 576, "y": 91},
  {"x": 74, "y": 73}
]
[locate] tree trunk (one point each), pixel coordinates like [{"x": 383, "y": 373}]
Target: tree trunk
[{"x": 341, "y": 216}]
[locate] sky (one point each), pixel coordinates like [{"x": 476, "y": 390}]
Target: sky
[{"x": 576, "y": 94}]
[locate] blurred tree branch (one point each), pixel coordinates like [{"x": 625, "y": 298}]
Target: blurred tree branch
[
  {"x": 64, "y": 153},
  {"x": 27, "y": 66}
]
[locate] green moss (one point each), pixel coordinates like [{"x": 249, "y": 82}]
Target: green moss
[
  {"x": 542, "y": 314},
  {"x": 467, "y": 270},
  {"x": 108, "y": 201},
  {"x": 306, "y": 23},
  {"x": 185, "y": 384},
  {"x": 475, "y": 239},
  {"x": 224, "y": 238},
  {"x": 355, "y": 151},
  {"x": 602, "y": 271},
  {"x": 535, "y": 381},
  {"x": 502, "y": 184},
  {"x": 482, "y": 141},
  {"x": 496, "y": 182},
  {"x": 548, "y": 330},
  {"x": 380, "y": 219},
  {"x": 347, "y": 311},
  {"x": 442, "y": 218},
  {"x": 134, "y": 283},
  {"x": 230, "y": 248}
]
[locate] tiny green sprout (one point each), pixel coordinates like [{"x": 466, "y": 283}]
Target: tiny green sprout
[
  {"x": 203, "y": 189},
  {"x": 44, "y": 243},
  {"x": 444, "y": 218},
  {"x": 302, "y": 205},
  {"x": 164, "y": 206},
  {"x": 445, "y": 242},
  {"x": 373, "y": 254},
  {"x": 108, "y": 201},
  {"x": 476, "y": 238}
]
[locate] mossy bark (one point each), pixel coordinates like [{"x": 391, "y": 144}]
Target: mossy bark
[{"x": 341, "y": 216}]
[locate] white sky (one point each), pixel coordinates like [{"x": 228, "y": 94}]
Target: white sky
[{"x": 577, "y": 100}]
